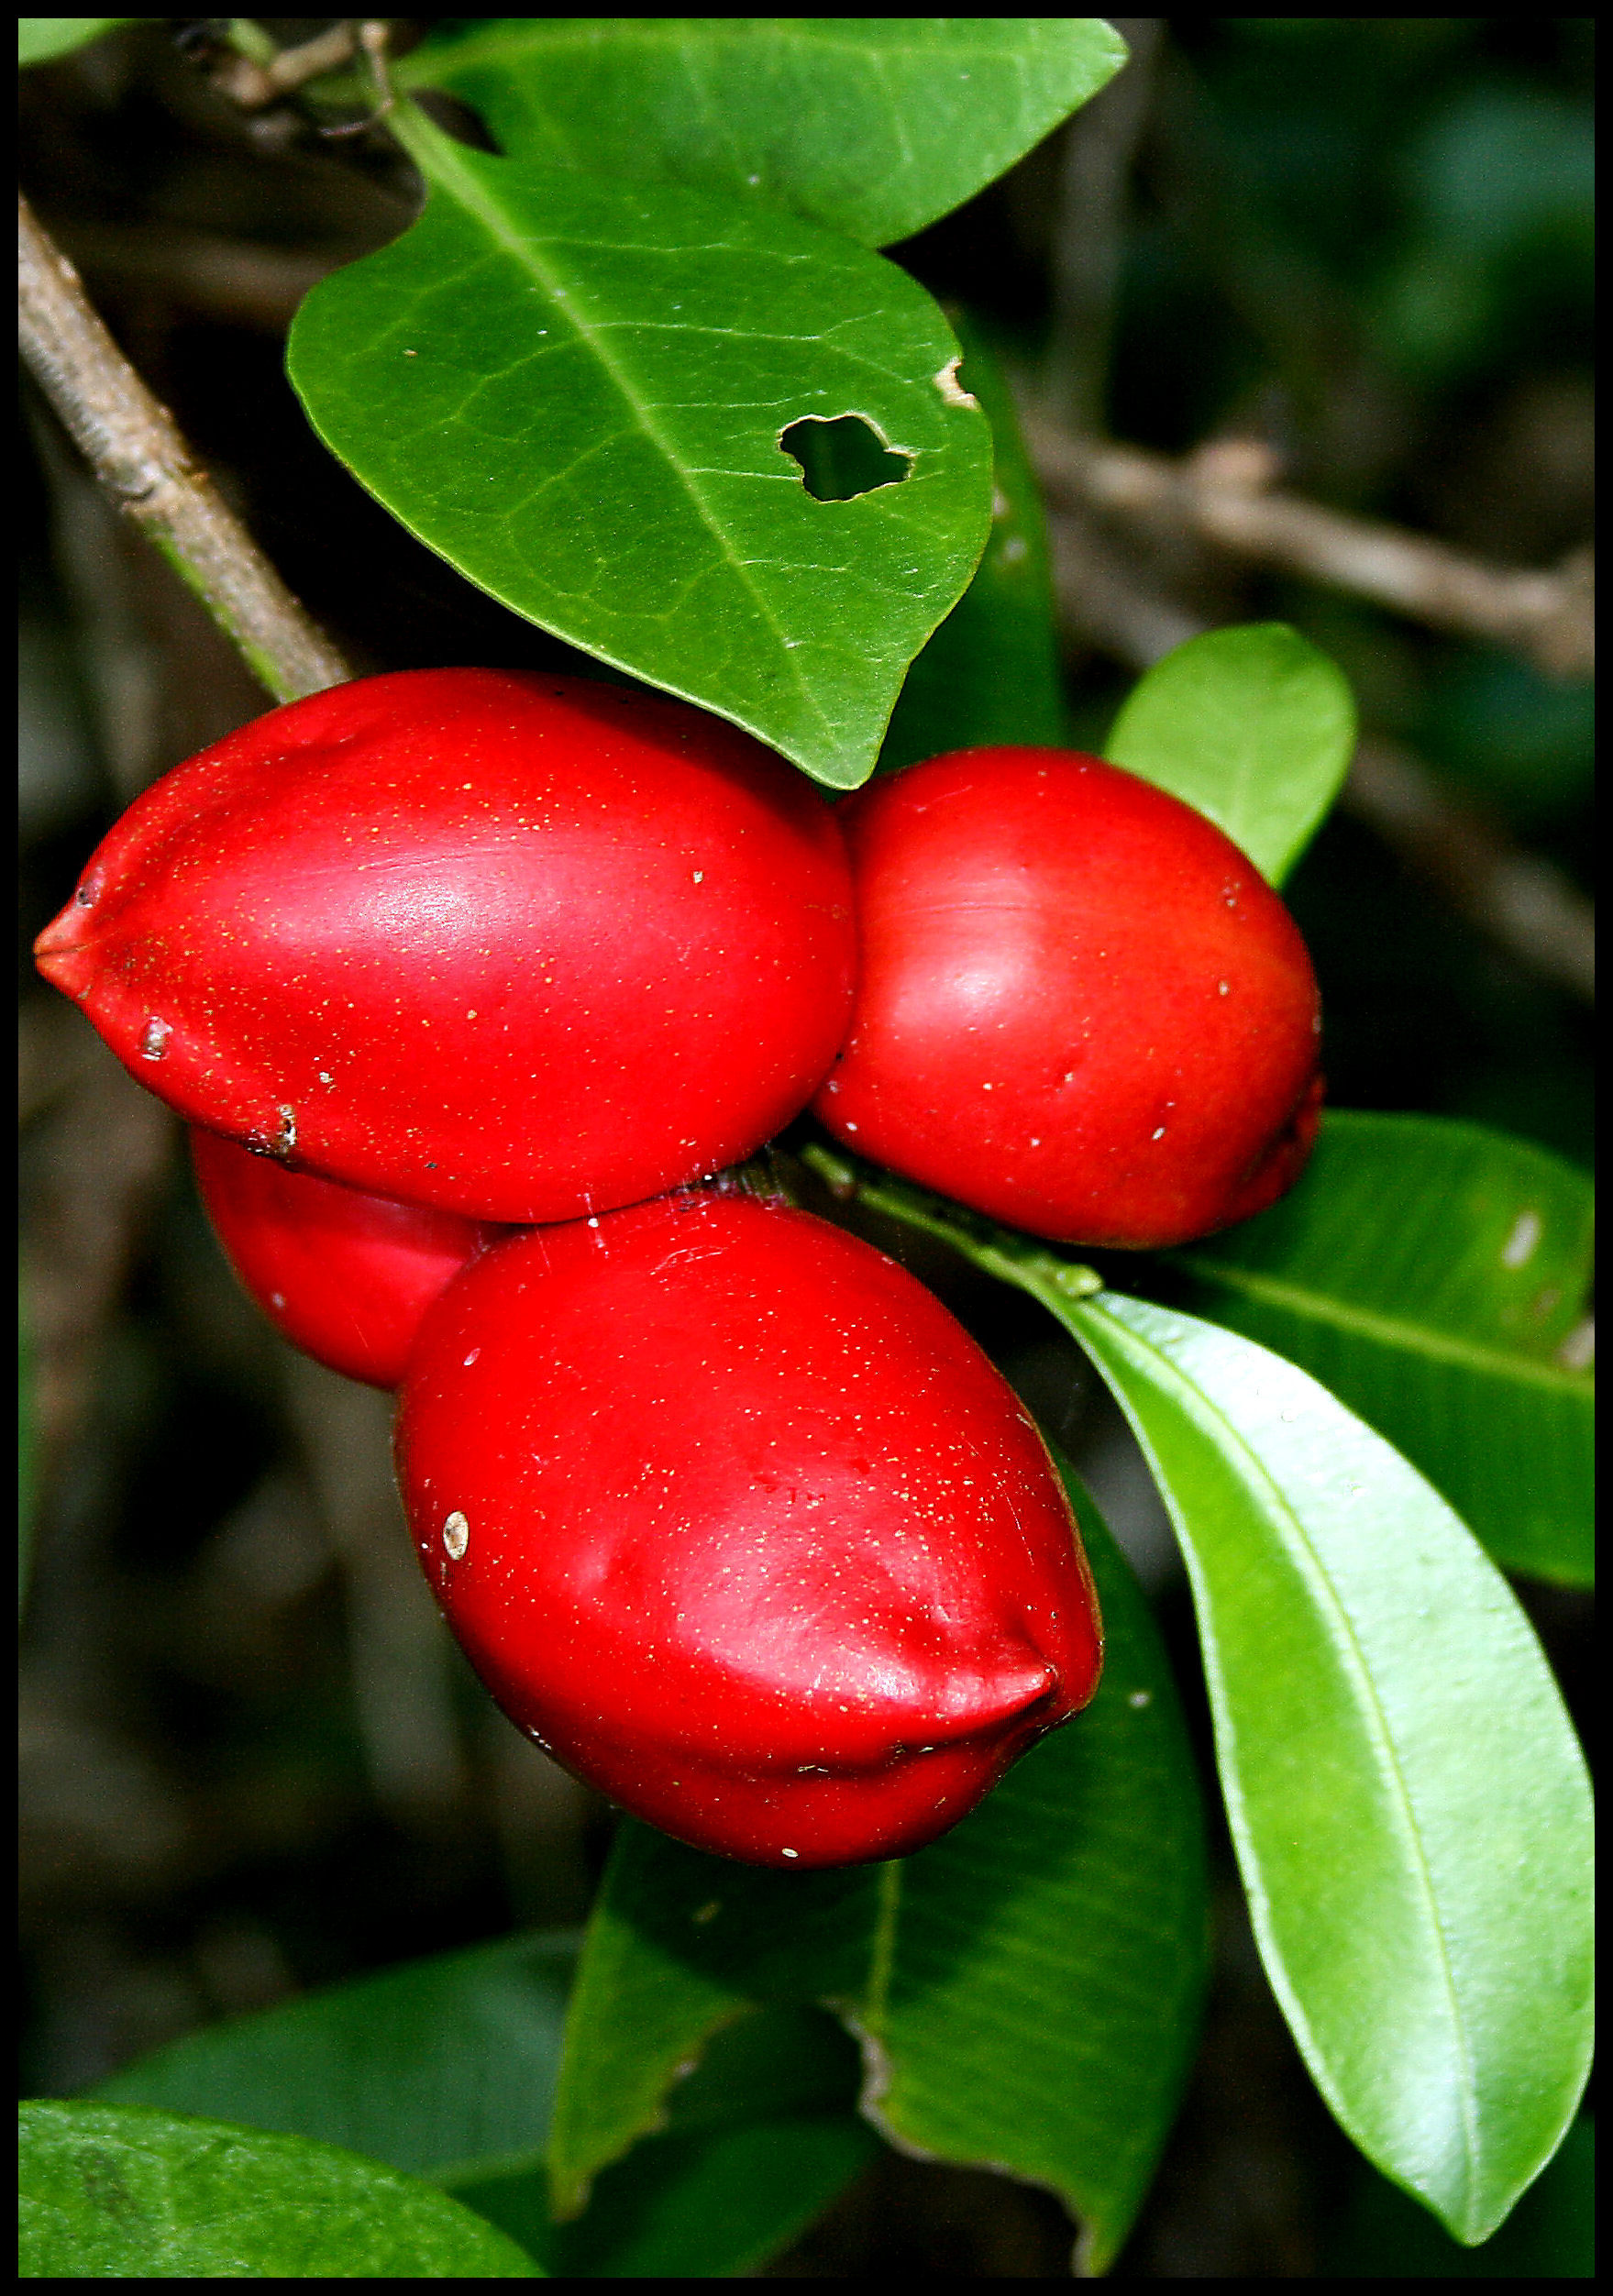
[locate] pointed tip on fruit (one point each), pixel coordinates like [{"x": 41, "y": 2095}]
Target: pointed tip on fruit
[
  {"x": 999, "y": 1696},
  {"x": 60, "y": 952}
]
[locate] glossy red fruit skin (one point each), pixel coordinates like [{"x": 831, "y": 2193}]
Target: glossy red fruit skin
[
  {"x": 520, "y": 946},
  {"x": 731, "y": 1516},
  {"x": 345, "y": 1275},
  {"x": 1081, "y": 1009}
]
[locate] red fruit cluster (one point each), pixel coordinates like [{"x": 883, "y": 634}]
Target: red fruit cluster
[{"x": 466, "y": 978}]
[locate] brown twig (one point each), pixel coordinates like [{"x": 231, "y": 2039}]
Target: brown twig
[
  {"x": 1523, "y": 902},
  {"x": 136, "y": 451},
  {"x": 253, "y": 83},
  {"x": 1223, "y": 495}
]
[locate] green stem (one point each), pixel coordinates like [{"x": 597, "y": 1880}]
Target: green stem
[{"x": 999, "y": 1252}]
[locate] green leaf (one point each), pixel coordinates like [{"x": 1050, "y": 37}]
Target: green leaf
[
  {"x": 1026, "y": 1990},
  {"x": 991, "y": 671},
  {"x": 574, "y": 390},
  {"x": 1254, "y": 727},
  {"x": 875, "y": 126},
  {"x": 1434, "y": 1274},
  {"x": 445, "y": 2067},
  {"x": 1550, "y": 2235},
  {"x": 41, "y": 38},
  {"x": 759, "y": 2140},
  {"x": 122, "y": 2192},
  {"x": 1408, "y": 1799}
]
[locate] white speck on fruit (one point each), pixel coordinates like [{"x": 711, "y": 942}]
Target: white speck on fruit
[
  {"x": 455, "y": 1537},
  {"x": 851, "y": 1128},
  {"x": 277, "y": 1298},
  {"x": 1158, "y": 1134},
  {"x": 1221, "y": 988},
  {"x": 154, "y": 1038},
  {"x": 1519, "y": 1246},
  {"x": 1140, "y": 1698},
  {"x": 790, "y": 1853},
  {"x": 325, "y": 1076},
  {"x": 593, "y": 1223},
  {"x": 471, "y": 1358}
]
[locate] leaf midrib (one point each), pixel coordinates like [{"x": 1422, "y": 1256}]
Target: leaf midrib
[
  {"x": 1389, "y": 1331},
  {"x": 447, "y": 173}
]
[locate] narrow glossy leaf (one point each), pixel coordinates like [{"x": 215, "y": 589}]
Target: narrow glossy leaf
[
  {"x": 1550, "y": 2235},
  {"x": 445, "y": 2066},
  {"x": 40, "y": 38},
  {"x": 1254, "y": 727},
  {"x": 1434, "y": 1274},
  {"x": 873, "y": 124},
  {"x": 575, "y": 391},
  {"x": 122, "y": 2192},
  {"x": 1406, "y": 1796},
  {"x": 1026, "y": 1989},
  {"x": 991, "y": 671},
  {"x": 1409, "y": 1801}
]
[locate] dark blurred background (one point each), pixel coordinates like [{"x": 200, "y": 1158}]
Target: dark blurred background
[{"x": 253, "y": 1759}]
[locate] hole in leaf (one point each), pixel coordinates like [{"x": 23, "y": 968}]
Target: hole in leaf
[{"x": 844, "y": 457}]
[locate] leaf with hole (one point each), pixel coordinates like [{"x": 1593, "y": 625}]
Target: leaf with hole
[
  {"x": 576, "y": 392},
  {"x": 875, "y": 126},
  {"x": 1254, "y": 727},
  {"x": 991, "y": 673}
]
